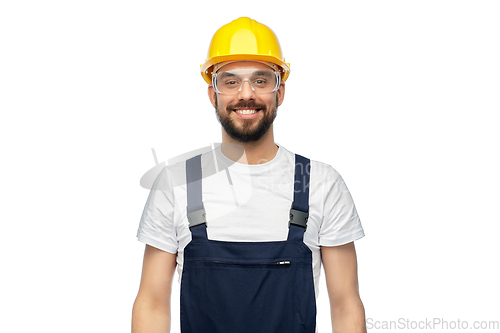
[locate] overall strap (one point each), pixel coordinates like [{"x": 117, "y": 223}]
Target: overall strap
[
  {"x": 299, "y": 213},
  {"x": 195, "y": 210}
]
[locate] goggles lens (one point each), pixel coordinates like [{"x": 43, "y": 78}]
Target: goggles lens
[{"x": 260, "y": 80}]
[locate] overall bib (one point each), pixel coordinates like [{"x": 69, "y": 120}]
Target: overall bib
[{"x": 247, "y": 287}]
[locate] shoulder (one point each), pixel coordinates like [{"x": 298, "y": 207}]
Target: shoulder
[
  {"x": 321, "y": 171},
  {"x": 175, "y": 173},
  {"x": 322, "y": 175}
]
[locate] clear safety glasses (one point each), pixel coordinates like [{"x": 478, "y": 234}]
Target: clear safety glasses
[{"x": 230, "y": 82}]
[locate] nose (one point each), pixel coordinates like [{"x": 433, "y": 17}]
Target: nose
[{"x": 246, "y": 92}]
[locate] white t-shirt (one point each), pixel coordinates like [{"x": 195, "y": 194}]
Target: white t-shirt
[{"x": 249, "y": 203}]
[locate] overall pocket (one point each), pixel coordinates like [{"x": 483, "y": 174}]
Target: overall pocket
[{"x": 249, "y": 296}]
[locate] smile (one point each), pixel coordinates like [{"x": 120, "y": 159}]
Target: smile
[{"x": 247, "y": 113}]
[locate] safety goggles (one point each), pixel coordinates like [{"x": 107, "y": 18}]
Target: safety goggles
[{"x": 230, "y": 82}]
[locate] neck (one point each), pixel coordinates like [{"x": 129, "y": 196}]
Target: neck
[{"x": 258, "y": 152}]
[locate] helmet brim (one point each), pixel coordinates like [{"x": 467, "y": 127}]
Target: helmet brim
[{"x": 207, "y": 67}]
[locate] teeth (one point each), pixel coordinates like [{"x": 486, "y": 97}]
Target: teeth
[{"x": 246, "y": 111}]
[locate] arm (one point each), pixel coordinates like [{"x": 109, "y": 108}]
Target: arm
[
  {"x": 151, "y": 310},
  {"x": 347, "y": 311}
]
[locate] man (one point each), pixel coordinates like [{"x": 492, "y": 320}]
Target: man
[{"x": 248, "y": 224}]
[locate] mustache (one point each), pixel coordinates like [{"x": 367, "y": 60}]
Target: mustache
[{"x": 243, "y": 104}]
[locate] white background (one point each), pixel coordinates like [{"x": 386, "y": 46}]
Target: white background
[{"x": 400, "y": 97}]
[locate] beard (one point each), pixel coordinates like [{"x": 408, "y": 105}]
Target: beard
[{"x": 248, "y": 132}]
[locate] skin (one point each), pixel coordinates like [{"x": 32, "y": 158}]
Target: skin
[
  {"x": 341, "y": 275},
  {"x": 151, "y": 310},
  {"x": 256, "y": 152}
]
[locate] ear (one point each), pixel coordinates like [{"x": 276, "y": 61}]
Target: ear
[
  {"x": 281, "y": 93},
  {"x": 211, "y": 94}
]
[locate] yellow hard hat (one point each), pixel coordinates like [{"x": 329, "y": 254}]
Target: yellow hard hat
[{"x": 244, "y": 39}]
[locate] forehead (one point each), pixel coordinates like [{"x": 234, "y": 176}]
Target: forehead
[{"x": 242, "y": 65}]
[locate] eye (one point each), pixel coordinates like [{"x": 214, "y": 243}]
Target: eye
[{"x": 260, "y": 81}]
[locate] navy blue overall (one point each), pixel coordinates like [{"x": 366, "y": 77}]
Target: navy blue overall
[{"x": 247, "y": 287}]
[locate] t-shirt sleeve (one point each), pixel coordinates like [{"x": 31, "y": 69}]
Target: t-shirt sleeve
[
  {"x": 341, "y": 223},
  {"x": 156, "y": 227}
]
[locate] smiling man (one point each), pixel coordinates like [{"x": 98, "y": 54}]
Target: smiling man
[
  {"x": 248, "y": 247},
  {"x": 246, "y": 111}
]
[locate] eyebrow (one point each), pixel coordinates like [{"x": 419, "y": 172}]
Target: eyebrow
[
  {"x": 227, "y": 74},
  {"x": 263, "y": 73}
]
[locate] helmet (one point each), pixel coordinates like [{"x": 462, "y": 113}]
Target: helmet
[{"x": 244, "y": 39}]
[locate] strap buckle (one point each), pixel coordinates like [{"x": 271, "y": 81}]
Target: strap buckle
[
  {"x": 298, "y": 217},
  {"x": 197, "y": 217}
]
